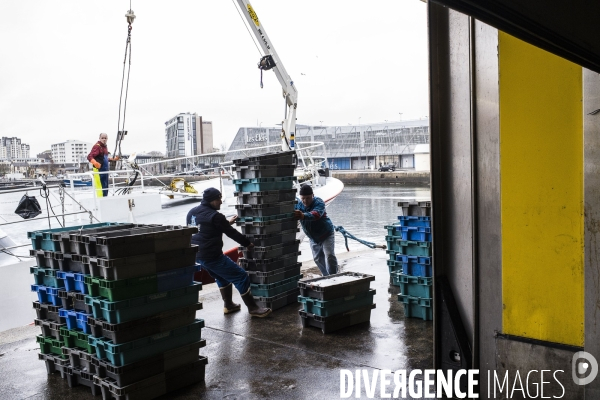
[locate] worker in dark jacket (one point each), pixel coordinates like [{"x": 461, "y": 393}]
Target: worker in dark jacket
[
  {"x": 319, "y": 229},
  {"x": 99, "y": 159},
  {"x": 209, "y": 239}
]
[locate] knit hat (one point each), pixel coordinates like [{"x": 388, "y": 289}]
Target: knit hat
[
  {"x": 305, "y": 190},
  {"x": 211, "y": 194}
]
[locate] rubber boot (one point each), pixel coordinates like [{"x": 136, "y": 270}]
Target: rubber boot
[
  {"x": 253, "y": 308},
  {"x": 228, "y": 305}
]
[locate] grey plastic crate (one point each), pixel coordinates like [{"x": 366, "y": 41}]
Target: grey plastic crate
[
  {"x": 265, "y": 210},
  {"x": 274, "y": 276},
  {"x": 279, "y": 301},
  {"x": 266, "y": 227},
  {"x": 156, "y": 385},
  {"x": 78, "y": 263},
  {"x": 47, "y": 311},
  {"x": 264, "y": 171},
  {"x": 132, "y": 330},
  {"x": 78, "y": 377},
  {"x": 80, "y": 359},
  {"x": 143, "y": 264},
  {"x": 266, "y": 197},
  {"x": 335, "y": 286},
  {"x": 274, "y": 238},
  {"x": 49, "y": 327},
  {"x": 54, "y": 364},
  {"x": 416, "y": 208},
  {"x": 338, "y": 321},
  {"x": 267, "y": 252},
  {"x": 63, "y": 238},
  {"x": 271, "y": 264},
  {"x": 91, "y": 240},
  {"x": 167, "y": 361},
  {"x": 74, "y": 301}
]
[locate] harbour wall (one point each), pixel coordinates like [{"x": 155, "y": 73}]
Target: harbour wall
[{"x": 402, "y": 177}]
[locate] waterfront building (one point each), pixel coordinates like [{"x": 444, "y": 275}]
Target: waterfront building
[
  {"x": 356, "y": 147},
  {"x": 12, "y": 148},
  {"x": 187, "y": 134},
  {"x": 70, "y": 152}
]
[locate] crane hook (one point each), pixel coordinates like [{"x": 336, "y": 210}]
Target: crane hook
[{"x": 130, "y": 17}]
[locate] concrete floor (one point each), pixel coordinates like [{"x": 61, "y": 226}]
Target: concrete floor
[{"x": 271, "y": 358}]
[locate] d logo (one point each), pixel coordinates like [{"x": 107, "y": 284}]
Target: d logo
[{"x": 584, "y": 368}]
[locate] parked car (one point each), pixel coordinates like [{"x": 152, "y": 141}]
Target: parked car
[{"x": 386, "y": 168}]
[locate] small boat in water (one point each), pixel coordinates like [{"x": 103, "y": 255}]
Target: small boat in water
[{"x": 77, "y": 182}]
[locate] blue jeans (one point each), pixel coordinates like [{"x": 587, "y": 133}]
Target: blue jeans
[
  {"x": 225, "y": 271},
  {"x": 324, "y": 255}
]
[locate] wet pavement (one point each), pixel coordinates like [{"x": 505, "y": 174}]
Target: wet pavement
[{"x": 270, "y": 358}]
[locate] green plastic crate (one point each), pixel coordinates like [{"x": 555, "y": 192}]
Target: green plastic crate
[
  {"x": 414, "y": 286},
  {"x": 415, "y": 307},
  {"x": 77, "y": 339},
  {"x": 273, "y": 289},
  {"x": 411, "y": 248},
  {"x": 394, "y": 266},
  {"x": 50, "y": 345},
  {"x": 326, "y": 308}
]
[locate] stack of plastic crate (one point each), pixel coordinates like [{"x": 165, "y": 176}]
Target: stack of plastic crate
[
  {"x": 60, "y": 309},
  {"x": 336, "y": 301},
  {"x": 266, "y": 201},
  {"x": 414, "y": 259},
  {"x": 137, "y": 334}
]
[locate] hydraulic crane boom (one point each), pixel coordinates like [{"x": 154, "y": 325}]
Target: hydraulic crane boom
[{"x": 271, "y": 60}]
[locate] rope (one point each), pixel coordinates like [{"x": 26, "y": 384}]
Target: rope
[
  {"x": 347, "y": 235},
  {"x": 121, "y": 128},
  {"x": 45, "y": 194}
]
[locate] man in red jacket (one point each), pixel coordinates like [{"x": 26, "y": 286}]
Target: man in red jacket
[{"x": 99, "y": 159}]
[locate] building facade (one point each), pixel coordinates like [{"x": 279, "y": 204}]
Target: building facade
[
  {"x": 187, "y": 134},
  {"x": 12, "y": 148},
  {"x": 70, "y": 152},
  {"x": 347, "y": 147}
]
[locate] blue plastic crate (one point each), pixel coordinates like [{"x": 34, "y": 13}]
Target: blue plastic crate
[
  {"x": 326, "y": 308},
  {"x": 409, "y": 220},
  {"x": 47, "y": 295},
  {"x": 42, "y": 239},
  {"x": 73, "y": 281},
  {"x": 415, "y": 265},
  {"x": 116, "y": 312},
  {"x": 46, "y": 277},
  {"x": 129, "y": 352},
  {"x": 273, "y": 289},
  {"x": 415, "y": 307},
  {"x": 263, "y": 184},
  {"x": 76, "y": 320},
  {"x": 412, "y": 248},
  {"x": 416, "y": 233},
  {"x": 415, "y": 286}
]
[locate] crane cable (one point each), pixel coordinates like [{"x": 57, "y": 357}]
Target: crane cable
[{"x": 126, "y": 65}]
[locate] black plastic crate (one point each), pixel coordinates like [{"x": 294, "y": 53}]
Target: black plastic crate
[
  {"x": 143, "y": 264},
  {"x": 39, "y": 257},
  {"x": 266, "y": 197},
  {"x": 136, "y": 329},
  {"x": 274, "y": 238},
  {"x": 274, "y": 276},
  {"x": 138, "y": 371},
  {"x": 48, "y": 312},
  {"x": 265, "y": 210},
  {"x": 338, "y": 321},
  {"x": 54, "y": 364},
  {"x": 62, "y": 239},
  {"x": 271, "y": 159},
  {"x": 279, "y": 301},
  {"x": 74, "y": 301},
  {"x": 269, "y": 252},
  {"x": 49, "y": 327},
  {"x": 271, "y": 264},
  {"x": 76, "y": 377},
  {"x": 91, "y": 240},
  {"x": 78, "y": 264},
  {"x": 175, "y": 237},
  {"x": 264, "y": 171},
  {"x": 333, "y": 286},
  {"x": 266, "y": 227},
  {"x": 80, "y": 359},
  {"x": 156, "y": 385}
]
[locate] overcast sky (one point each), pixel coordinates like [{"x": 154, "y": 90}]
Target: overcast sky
[{"x": 61, "y": 64}]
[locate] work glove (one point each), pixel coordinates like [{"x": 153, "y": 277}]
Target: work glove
[
  {"x": 298, "y": 214},
  {"x": 117, "y": 158},
  {"x": 96, "y": 164}
]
